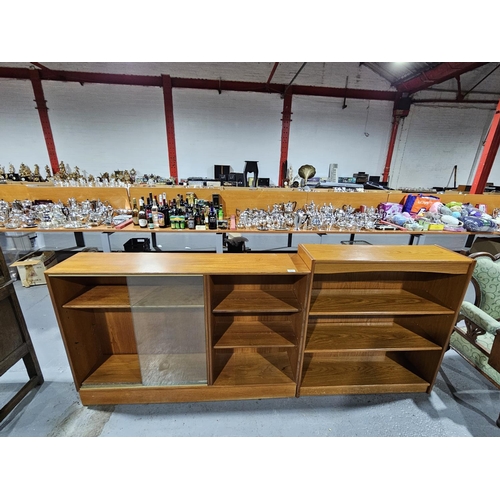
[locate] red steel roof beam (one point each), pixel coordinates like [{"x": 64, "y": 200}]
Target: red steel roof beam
[
  {"x": 436, "y": 75},
  {"x": 275, "y": 67},
  {"x": 200, "y": 84},
  {"x": 488, "y": 155}
]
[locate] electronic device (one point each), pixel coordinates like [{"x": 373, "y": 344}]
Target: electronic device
[
  {"x": 213, "y": 184},
  {"x": 221, "y": 170},
  {"x": 236, "y": 177},
  {"x": 263, "y": 181}
]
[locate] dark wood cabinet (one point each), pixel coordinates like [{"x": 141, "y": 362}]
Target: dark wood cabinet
[{"x": 15, "y": 341}]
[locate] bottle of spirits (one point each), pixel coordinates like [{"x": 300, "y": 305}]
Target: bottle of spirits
[
  {"x": 212, "y": 217},
  {"x": 190, "y": 219},
  {"x": 135, "y": 212},
  {"x": 143, "y": 221},
  {"x": 197, "y": 216},
  {"x": 150, "y": 221},
  {"x": 154, "y": 212}
]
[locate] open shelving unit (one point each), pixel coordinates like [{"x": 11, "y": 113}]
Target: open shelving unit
[
  {"x": 331, "y": 319},
  {"x": 379, "y": 319},
  {"x": 256, "y": 328}
]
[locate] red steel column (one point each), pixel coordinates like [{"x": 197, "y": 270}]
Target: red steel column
[
  {"x": 488, "y": 155},
  {"x": 169, "y": 119},
  {"x": 390, "y": 151},
  {"x": 43, "y": 113},
  {"x": 285, "y": 136}
]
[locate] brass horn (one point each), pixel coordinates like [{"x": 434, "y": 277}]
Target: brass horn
[{"x": 306, "y": 172}]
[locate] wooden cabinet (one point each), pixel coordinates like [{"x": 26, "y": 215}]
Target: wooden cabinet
[
  {"x": 180, "y": 327},
  {"x": 15, "y": 341},
  {"x": 379, "y": 317},
  {"x": 330, "y": 319}
]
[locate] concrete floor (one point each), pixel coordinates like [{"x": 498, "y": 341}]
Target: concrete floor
[{"x": 462, "y": 403}]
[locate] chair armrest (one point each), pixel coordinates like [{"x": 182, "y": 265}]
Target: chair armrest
[{"x": 480, "y": 318}]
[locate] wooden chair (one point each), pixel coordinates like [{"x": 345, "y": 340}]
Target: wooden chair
[{"x": 477, "y": 339}]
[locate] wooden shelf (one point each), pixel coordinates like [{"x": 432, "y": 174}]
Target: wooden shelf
[
  {"x": 117, "y": 369},
  {"x": 252, "y": 368},
  {"x": 325, "y": 375},
  {"x": 164, "y": 296},
  {"x": 371, "y": 301},
  {"x": 338, "y": 337},
  {"x": 143, "y": 297},
  {"x": 257, "y": 301},
  {"x": 101, "y": 297},
  {"x": 254, "y": 334}
]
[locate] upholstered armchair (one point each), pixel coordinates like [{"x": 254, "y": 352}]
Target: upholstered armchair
[{"x": 476, "y": 336}]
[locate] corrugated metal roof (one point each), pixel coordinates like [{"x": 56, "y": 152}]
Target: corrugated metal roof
[{"x": 399, "y": 72}]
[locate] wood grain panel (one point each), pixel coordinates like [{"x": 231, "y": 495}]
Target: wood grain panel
[
  {"x": 371, "y": 302},
  {"x": 344, "y": 337},
  {"x": 256, "y": 369},
  {"x": 331, "y": 376},
  {"x": 257, "y": 302},
  {"x": 255, "y": 334}
]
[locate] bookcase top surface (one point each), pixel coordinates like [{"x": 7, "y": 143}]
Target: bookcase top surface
[
  {"x": 154, "y": 263},
  {"x": 382, "y": 253}
]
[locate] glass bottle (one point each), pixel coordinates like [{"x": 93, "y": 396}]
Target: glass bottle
[
  {"x": 212, "y": 217},
  {"x": 143, "y": 221},
  {"x": 154, "y": 211},
  {"x": 135, "y": 212},
  {"x": 166, "y": 211}
]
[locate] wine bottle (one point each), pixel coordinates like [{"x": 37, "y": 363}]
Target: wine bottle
[
  {"x": 135, "y": 212},
  {"x": 166, "y": 211},
  {"x": 143, "y": 221}
]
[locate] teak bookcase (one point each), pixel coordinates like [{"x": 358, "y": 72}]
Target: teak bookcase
[{"x": 331, "y": 319}]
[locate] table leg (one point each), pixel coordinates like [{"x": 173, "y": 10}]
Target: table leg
[{"x": 105, "y": 242}]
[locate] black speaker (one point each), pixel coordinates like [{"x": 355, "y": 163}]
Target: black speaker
[
  {"x": 221, "y": 170},
  {"x": 263, "y": 181},
  {"x": 216, "y": 200}
]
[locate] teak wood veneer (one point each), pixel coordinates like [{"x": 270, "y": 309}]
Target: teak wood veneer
[{"x": 330, "y": 319}]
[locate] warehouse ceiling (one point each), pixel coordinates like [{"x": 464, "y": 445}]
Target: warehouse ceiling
[{"x": 404, "y": 77}]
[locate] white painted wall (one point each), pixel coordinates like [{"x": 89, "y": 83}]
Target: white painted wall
[
  {"x": 433, "y": 139},
  {"x": 227, "y": 129},
  {"x": 21, "y": 136},
  {"x": 103, "y": 128},
  {"x": 323, "y": 133}
]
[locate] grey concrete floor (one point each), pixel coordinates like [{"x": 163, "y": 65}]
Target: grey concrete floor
[{"x": 462, "y": 403}]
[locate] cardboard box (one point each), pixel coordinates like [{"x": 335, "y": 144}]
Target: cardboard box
[{"x": 32, "y": 266}]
